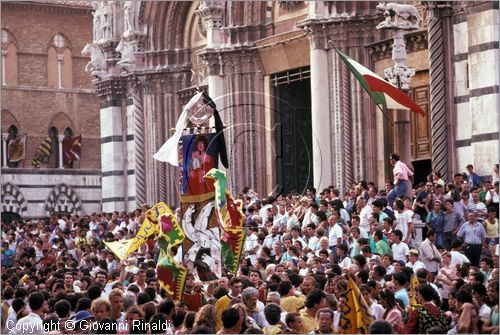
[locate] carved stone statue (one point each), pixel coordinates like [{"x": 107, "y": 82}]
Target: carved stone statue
[
  {"x": 97, "y": 63},
  {"x": 126, "y": 49},
  {"x": 398, "y": 16},
  {"x": 97, "y": 13},
  {"x": 107, "y": 21},
  {"x": 128, "y": 16}
]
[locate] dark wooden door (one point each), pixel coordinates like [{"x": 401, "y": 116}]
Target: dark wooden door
[{"x": 294, "y": 163}]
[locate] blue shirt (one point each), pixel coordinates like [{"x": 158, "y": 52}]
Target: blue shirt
[
  {"x": 472, "y": 233},
  {"x": 403, "y": 295}
]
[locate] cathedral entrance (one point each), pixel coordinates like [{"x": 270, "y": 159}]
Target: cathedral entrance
[{"x": 294, "y": 160}]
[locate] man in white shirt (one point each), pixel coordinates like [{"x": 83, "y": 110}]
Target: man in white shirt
[
  {"x": 272, "y": 238},
  {"x": 479, "y": 295},
  {"x": 400, "y": 250},
  {"x": 33, "y": 323},
  {"x": 335, "y": 235},
  {"x": 364, "y": 213},
  {"x": 376, "y": 310},
  {"x": 457, "y": 258},
  {"x": 403, "y": 219},
  {"x": 251, "y": 245},
  {"x": 414, "y": 263},
  {"x": 430, "y": 254},
  {"x": 343, "y": 260}
]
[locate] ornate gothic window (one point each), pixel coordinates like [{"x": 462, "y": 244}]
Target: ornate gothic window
[
  {"x": 13, "y": 133},
  {"x": 9, "y": 59},
  {"x": 59, "y": 63}
]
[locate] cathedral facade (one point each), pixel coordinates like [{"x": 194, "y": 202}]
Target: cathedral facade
[{"x": 294, "y": 114}]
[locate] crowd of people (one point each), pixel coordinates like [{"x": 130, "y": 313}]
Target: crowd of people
[{"x": 299, "y": 254}]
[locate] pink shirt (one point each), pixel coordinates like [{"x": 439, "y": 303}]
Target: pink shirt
[{"x": 401, "y": 172}]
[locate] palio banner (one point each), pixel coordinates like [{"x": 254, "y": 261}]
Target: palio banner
[
  {"x": 199, "y": 155},
  {"x": 201, "y": 249}
]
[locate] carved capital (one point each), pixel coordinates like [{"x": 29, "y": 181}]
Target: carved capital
[
  {"x": 110, "y": 87},
  {"x": 214, "y": 61},
  {"x": 317, "y": 31},
  {"x": 438, "y": 9},
  {"x": 400, "y": 76},
  {"x": 234, "y": 60},
  {"x": 210, "y": 13}
]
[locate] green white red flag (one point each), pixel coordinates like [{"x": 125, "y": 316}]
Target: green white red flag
[{"x": 382, "y": 92}]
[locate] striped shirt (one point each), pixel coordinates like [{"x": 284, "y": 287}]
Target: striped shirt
[{"x": 472, "y": 233}]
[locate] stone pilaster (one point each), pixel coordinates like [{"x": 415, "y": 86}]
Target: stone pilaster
[
  {"x": 438, "y": 82},
  {"x": 113, "y": 145},
  {"x": 136, "y": 142}
]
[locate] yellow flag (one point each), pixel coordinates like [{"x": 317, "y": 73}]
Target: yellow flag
[
  {"x": 413, "y": 290},
  {"x": 120, "y": 248},
  {"x": 356, "y": 316},
  {"x": 150, "y": 226}
]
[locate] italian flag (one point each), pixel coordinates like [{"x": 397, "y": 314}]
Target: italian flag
[{"x": 380, "y": 90}]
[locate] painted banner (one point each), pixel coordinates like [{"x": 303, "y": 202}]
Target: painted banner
[
  {"x": 199, "y": 155},
  {"x": 16, "y": 149}
]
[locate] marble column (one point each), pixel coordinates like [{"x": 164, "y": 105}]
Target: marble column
[
  {"x": 112, "y": 155},
  {"x": 5, "y": 137},
  {"x": 210, "y": 13},
  {"x": 60, "y": 139},
  {"x": 320, "y": 112}
]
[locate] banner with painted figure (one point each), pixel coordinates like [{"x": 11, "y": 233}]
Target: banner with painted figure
[
  {"x": 16, "y": 149},
  {"x": 199, "y": 155},
  {"x": 201, "y": 250}
]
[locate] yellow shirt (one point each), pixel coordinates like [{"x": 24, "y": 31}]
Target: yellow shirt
[
  {"x": 220, "y": 306},
  {"x": 491, "y": 229},
  {"x": 271, "y": 330},
  {"x": 309, "y": 322},
  {"x": 292, "y": 303}
]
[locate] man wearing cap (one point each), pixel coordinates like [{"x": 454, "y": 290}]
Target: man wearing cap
[{"x": 414, "y": 263}]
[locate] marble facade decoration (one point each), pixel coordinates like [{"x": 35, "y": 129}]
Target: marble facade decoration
[{"x": 157, "y": 52}]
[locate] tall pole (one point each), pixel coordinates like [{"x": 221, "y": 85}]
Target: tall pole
[{"x": 400, "y": 75}]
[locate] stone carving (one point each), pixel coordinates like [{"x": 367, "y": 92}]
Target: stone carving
[
  {"x": 400, "y": 76},
  {"x": 126, "y": 49},
  {"x": 107, "y": 20},
  {"x": 128, "y": 16},
  {"x": 97, "y": 64},
  {"x": 289, "y": 5},
  {"x": 96, "y": 5},
  {"x": 398, "y": 16}
]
